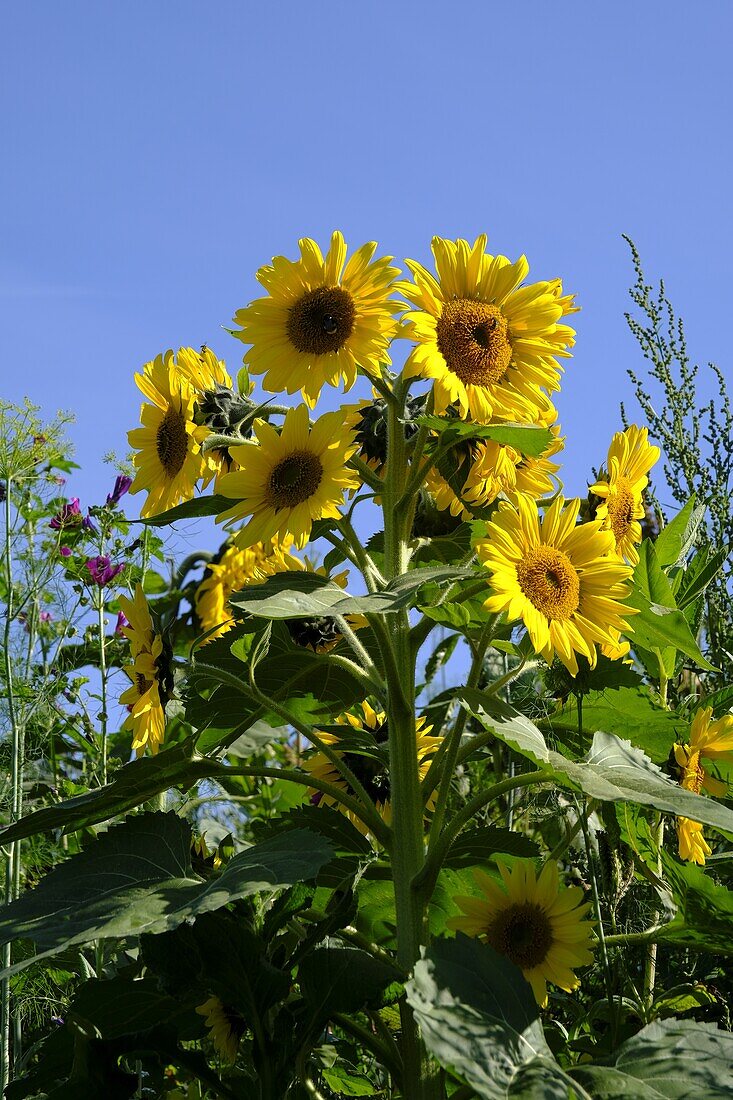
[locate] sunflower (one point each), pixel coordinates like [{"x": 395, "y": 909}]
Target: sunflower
[
  {"x": 708, "y": 741},
  {"x": 234, "y": 570},
  {"x": 536, "y": 924},
  {"x": 321, "y": 320},
  {"x": 226, "y": 1027},
  {"x": 370, "y": 726},
  {"x": 490, "y": 344},
  {"x": 151, "y": 682},
  {"x": 289, "y": 478},
  {"x": 139, "y": 631},
  {"x": 169, "y": 460},
  {"x": 146, "y": 698},
  {"x": 202, "y": 369},
  {"x": 557, "y": 577},
  {"x": 630, "y": 458}
]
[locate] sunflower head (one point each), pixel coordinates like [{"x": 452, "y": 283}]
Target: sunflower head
[
  {"x": 709, "y": 740},
  {"x": 540, "y": 927},
  {"x": 168, "y": 459},
  {"x": 226, "y": 1027},
  {"x": 490, "y": 344},
  {"x": 621, "y": 489},
  {"x": 322, "y": 318},
  {"x": 368, "y": 421},
  {"x": 289, "y": 478},
  {"x": 557, "y": 577},
  {"x": 364, "y": 750}
]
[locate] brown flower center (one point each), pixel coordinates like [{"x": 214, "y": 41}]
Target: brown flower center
[
  {"x": 621, "y": 508},
  {"x": 142, "y": 684},
  {"x": 550, "y": 581},
  {"x": 322, "y": 320},
  {"x": 473, "y": 338},
  {"x": 171, "y": 441},
  {"x": 523, "y": 933},
  {"x": 294, "y": 480}
]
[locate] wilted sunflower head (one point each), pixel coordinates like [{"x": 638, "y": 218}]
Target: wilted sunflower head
[{"x": 369, "y": 424}]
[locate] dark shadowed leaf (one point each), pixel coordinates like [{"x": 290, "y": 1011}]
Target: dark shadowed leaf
[
  {"x": 479, "y": 1018},
  {"x": 138, "y": 878}
]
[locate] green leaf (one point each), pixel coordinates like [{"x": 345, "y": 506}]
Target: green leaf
[
  {"x": 307, "y": 595},
  {"x": 614, "y": 771},
  {"x": 703, "y": 569},
  {"x": 444, "y": 548},
  {"x": 190, "y": 509},
  {"x": 348, "y": 1082},
  {"x": 629, "y": 712},
  {"x": 338, "y": 977},
  {"x": 138, "y": 878},
  {"x": 673, "y": 1059},
  {"x": 660, "y": 624},
  {"x": 705, "y": 909},
  {"x": 682, "y": 998},
  {"x": 528, "y": 439},
  {"x": 478, "y": 845},
  {"x": 122, "y": 1007},
  {"x": 675, "y": 541},
  {"x": 479, "y": 1019}
]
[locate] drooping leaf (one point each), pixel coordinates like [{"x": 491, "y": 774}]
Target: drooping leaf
[
  {"x": 705, "y": 909},
  {"x": 138, "y": 878},
  {"x": 630, "y": 712},
  {"x": 613, "y": 771},
  {"x": 119, "y": 1006},
  {"x": 479, "y": 1018}
]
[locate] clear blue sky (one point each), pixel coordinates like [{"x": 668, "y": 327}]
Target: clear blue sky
[{"x": 155, "y": 154}]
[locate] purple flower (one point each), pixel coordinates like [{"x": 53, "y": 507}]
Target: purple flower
[
  {"x": 101, "y": 569},
  {"x": 122, "y": 484},
  {"x": 69, "y": 516},
  {"x": 45, "y": 616},
  {"x": 65, "y": 552},
  {"x": 122, "y": 622},
  {"x": 88, "y": 525}
]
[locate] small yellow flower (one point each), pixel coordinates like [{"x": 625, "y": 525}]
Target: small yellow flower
[
  {"x": 290, "y": 478},
  {"x": 540, "y": 927},
  {"x": 709, "y": 740},
  {"x": 149, "y": 675},
  {"x": 557, "y": 577},
  {"x": 490, "y": 344},
  {"x": 630, "y": 458},
  {"x": 321, "y": 320}
]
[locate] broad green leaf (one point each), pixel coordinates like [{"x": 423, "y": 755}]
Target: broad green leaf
[
  {"x": 307, "y": 595},
  {"x": 338, "y": 977},
  {"x": 138, "y": 878},
  {"x": 668, "y": 1060},
  {"x": 190, "y": 509},
  {"x": 675, "y": 541},
  {"x": 444, "y": 548},
  {"x": 650, "y": 580},
  {"x": 528, "y": 439},
  {"x": 348, "y": 1082},
  {"x": 614, "y": 770},
  {"x": 660, "y": 624},
  {"x": 123, "y": 1007},
  {"x": 479, "y": 1019},
  {"x": 475, "y": 846},
  {"x": 629, "y": 712},
  {"x": 682, "y": 998},
  {"x": 705, "y": 909}
]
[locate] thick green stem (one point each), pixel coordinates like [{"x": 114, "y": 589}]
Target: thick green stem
[{"x": 420, "y": 1079}]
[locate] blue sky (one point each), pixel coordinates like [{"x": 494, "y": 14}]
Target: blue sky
[{"x": 154, "y": 155}]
